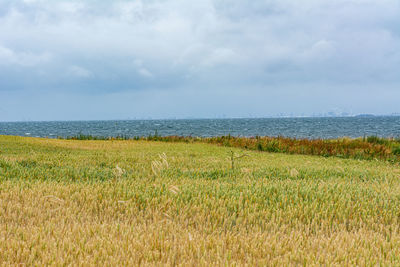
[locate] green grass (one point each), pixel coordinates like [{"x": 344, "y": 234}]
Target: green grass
[
  {"x": 370, "y": 148},
  {"x": 119, "y": 202}
]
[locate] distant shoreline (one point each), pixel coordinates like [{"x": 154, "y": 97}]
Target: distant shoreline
[
  {"x": 207, "y": 118},
  {"x": 310, "y": 128}
]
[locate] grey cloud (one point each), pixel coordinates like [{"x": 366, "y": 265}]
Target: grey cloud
[{"x": 100, "y": 47}]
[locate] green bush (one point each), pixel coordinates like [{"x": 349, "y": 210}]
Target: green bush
[
  {"x": 396, "y": 150},
  {"x": 376, "y": 140}
]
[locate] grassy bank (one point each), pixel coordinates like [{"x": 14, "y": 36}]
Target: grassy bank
[
  {"x": 371, "y": 147},
  {"x": 121, "y": 202}
]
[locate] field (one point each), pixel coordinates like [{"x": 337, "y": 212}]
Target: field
[
  {"x": 368, "y": 147},
  {"x": 131, "y": 202}
]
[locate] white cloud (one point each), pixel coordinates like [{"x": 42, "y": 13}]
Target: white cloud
[
  {"x": 141, "y": 70},
  {"x": 6, "y": 55},
  {"x": 80, "y": 72},
  {"x": 144, "y": 72},
  {"x": 320, "y": 50},
  {"x": 25, "y": 59},
  {"x": 221, "y": 56}
]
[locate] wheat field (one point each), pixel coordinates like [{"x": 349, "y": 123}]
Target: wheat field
[{"x": 107, "y": 203}]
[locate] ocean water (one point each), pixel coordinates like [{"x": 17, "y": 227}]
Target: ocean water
[{"x": 384, "y": 126}]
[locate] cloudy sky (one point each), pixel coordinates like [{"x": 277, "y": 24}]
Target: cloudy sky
[{"x": 72, "y": 60}]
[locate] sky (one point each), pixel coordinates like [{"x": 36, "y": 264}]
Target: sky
[{"x": 94, "y": 60}]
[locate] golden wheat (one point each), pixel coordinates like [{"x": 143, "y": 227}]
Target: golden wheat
[{"x": 90, "y": 203}]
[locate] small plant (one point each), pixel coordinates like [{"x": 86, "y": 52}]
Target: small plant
[
  {"x": 233, "y": 158},
  {"x": 396, "y": 151},
  {"x": 158, "y": 165},
  {"x": 118, "y": 172},
  {"x": 260, "y": 147},
  {"x": 272, "y": 146}
]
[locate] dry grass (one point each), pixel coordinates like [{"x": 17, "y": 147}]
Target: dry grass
[{"x": 65, "y": 202}]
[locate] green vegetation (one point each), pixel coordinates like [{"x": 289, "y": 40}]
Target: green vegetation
[
  {"x": 371, "y": 147},
  {"x": 132, "y": 202}
]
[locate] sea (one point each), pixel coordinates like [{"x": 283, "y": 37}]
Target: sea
[{"x": 312, "y": 128}]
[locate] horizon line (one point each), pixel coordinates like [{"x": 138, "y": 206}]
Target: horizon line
[{"x": 215, "y": 118}]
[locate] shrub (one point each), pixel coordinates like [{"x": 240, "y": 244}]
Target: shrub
[
  {"x": 396, "y": 150},
  {"x": 376, "y": 140},
  {"x": 260, "y": 147}
]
